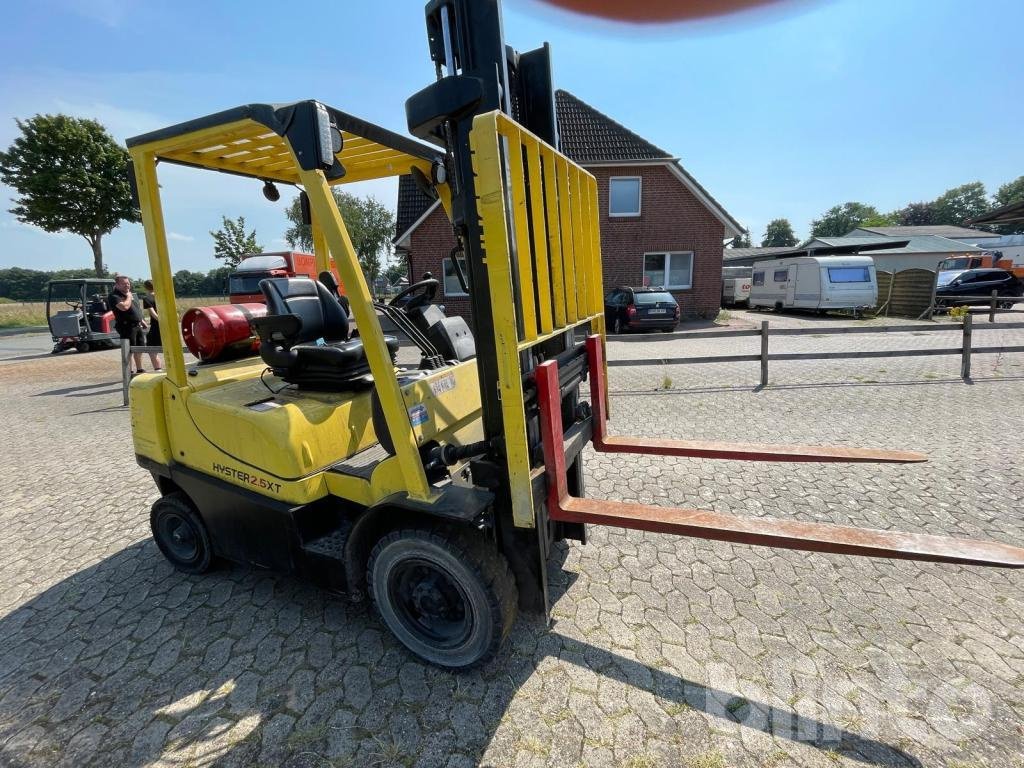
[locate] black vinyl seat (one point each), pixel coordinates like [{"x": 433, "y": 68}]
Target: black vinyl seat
[{"x": 304, "y": 337}]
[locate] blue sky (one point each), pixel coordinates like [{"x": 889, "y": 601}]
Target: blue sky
[{"x": 777, "y": 114}]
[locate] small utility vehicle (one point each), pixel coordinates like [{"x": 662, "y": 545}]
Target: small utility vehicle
[{"x": 78, "y": 316}]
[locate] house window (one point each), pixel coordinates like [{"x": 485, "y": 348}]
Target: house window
[
  {"x": 669, "y": 270},
  {"x": 781, "y": 275},
  {"x": 624, "y": 196},
  {"x": 759, "y": 278},
  {"x": 451, "y": 280}
]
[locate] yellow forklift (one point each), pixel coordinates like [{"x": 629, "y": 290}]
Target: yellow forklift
[{"x": 434, "y": 488}]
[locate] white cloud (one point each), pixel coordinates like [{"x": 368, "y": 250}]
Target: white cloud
[{"x": 179, "y": 237}]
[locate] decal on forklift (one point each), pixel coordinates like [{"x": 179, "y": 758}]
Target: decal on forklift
[
  {"x": 245, "y": 477},
  {"x": 418, "y": 415},
  {"x": 442, "y": 384}
]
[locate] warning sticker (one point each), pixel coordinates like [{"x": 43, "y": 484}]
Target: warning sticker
[
  {"x": 442, "y": 384},
  {"x": 418, "y": 415}
]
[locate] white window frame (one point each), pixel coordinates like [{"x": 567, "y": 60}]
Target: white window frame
[
  {"x": 444, "y": 281},
  {"x": 668, "y": 268},
  {"x": 639, "y": 196}
]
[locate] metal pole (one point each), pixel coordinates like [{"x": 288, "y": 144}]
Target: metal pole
[
  {"x": 965, "y": 360},
  {"x": 126, "y": 346},
  {"x": 764, "y": 353},
  {"x": 992, "y": 309}
]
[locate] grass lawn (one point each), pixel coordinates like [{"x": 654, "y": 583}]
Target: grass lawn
[{"x": 17, "y": 314}]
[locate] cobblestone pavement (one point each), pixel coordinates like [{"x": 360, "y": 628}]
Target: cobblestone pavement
[{"x": 663, "y": 652}]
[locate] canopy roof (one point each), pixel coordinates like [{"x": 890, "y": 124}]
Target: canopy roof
[{"x": 250, "y": 141}]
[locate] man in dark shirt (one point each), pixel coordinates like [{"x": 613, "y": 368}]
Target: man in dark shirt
[{"x": 128, "y": 316}]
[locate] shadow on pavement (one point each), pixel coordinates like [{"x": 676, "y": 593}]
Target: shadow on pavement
[
  {"x": 82, "y": 391},
  {"x": 128, "y": 661}
]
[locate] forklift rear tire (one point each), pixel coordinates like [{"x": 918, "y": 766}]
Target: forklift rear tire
[
  {"x": 447, "y": 595},
  {"x": 179, "y": 532}
]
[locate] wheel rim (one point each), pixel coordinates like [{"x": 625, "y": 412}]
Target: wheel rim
[
  {"x": 430, "y": 603},
  {"x": 179, "y": 537}
]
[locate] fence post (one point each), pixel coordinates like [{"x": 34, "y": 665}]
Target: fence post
[
  {"x": 992, "y": 309},
  {"x": 965, "y": 360},
  {"x": 764, "y": 353},
  {"x": 126, "y": 346}
]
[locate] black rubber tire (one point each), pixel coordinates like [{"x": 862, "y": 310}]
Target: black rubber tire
[
  {"x": 83, "y": 346},
  {"x": 778, "y": 306},
  {"x": 478, "y": 578},
  {"x": 180, "y": 534}
]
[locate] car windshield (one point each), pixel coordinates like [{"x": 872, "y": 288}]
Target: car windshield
[
  {"x": 945, "y": 278},
  {"x": 653, "y": 297},
  {"x": 245, "y": 284}
]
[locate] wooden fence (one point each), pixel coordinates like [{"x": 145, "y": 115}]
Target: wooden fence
[{"x": 965, "y": 350}]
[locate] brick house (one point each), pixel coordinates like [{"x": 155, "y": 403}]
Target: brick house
[{"x": 659, "y": 226}]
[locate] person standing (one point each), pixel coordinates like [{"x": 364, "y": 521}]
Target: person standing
[
  {"x": 153, "y": 335},
  {"x": 128, "y": 317}
]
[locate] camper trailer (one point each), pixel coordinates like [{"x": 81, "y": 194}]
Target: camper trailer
[
  {"x": 814, "y": 282},
  {"x": 735, "y": 285}
]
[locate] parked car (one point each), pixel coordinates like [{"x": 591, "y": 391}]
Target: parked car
[
  {"x": 976, "y": 282},
  {"x": 636, "y": 309}
]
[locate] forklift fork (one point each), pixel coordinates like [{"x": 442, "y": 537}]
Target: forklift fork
[{"x": 783, "y": 534}]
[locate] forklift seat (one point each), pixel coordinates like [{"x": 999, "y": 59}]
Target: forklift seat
[{"x": 304, "y": 337}]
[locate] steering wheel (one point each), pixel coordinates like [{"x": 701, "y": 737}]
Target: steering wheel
[{"x": 416, "y": 295}]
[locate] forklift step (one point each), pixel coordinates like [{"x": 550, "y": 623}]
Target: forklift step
[
  {"x": 331, "y": 546},
  {"x": 363, "y": 463}
]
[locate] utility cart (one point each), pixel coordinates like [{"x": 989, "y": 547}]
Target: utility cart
[
  {"x": 78, "y": 315},
  {"x": 436, "y": 488}
]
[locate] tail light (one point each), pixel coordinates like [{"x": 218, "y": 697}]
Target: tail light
[
  {"x": 631, "y": 310},
  {"x": 677, "y": 311}
]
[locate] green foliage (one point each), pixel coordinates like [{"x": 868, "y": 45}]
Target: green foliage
[
  {"x": 396, "y": 272},
  {"x": 742, "y": 240},
  {"x": 30, "y": 284},
  {"x": 70, "y": 176},
  {"x": 231, "y": 243},
  {"x": 955, "y": 206},
  {"x": 882, "y": 220},
  {"x": 779, "y": 234},
  {"x": 212, "y": 283},
  {"x": 370, "y": 226},
  {"x": 841, "y": 219},
  {"x": 1010, "y": 192},
  {"x": 917, "y": 215}
]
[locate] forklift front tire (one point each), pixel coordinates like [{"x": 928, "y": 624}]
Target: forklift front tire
[
  {"x": 447, "y": 595},
  {"x": 180, "y": 534}
]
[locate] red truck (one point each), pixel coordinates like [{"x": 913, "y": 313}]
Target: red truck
[{"x": 244, "y": 282}]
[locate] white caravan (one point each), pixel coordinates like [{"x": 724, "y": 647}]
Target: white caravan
[{"x": 815, "y": 282}]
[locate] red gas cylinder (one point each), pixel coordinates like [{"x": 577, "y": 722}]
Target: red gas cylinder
[{"x": 221, "y": 332}]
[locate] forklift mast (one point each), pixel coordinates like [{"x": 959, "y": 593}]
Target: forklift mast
[{"x": 477, "y": 74}]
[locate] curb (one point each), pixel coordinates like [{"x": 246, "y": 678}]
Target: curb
[{"x": 24, "y": 330}]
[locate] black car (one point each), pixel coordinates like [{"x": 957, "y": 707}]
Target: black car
[
  {"x": 976, "y": 282},
  {"x": 635, "y": 309}
]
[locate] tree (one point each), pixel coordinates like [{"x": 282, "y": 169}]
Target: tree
[
  {"x": 841, "y": 219},
  {"x": 1010, "y": 192},
  {"x": 370, "y": 227},
  {"x": 231, "y": 243},
  {"x": 70, "y": 176},
  {"x": 955, "y": 206},
  {"x": 778, "y": 234},
  {"x": 917, "y": 215},
  {"x": 742, "y": 240},
  {"x": 396, "y": 272}
]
